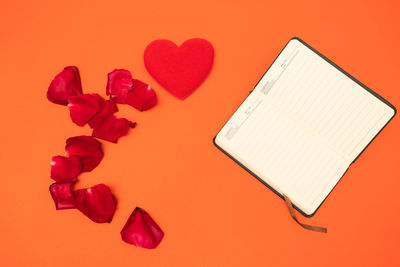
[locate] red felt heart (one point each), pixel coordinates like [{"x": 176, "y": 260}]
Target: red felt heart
[{"x": 181, "y": 69}]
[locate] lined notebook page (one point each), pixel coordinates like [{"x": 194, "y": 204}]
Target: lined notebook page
[
  {"x": 285, "y": 156},
  {"x": 302, "y": 126},
  {"x": 336, "y": 109}
]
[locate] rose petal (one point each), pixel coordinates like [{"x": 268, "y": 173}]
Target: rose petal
[
  {"x": 107, "y": 107},
  {"x": 96, "y": 202},
  {"x": 67, "y": 83},
  {"x": 87, "y": 149},
  {"x": 62, "y": 195},
  {"x": 142, "y": 96},
  {"x": 65, "y": 169},
  {"x": 83, "y": 107},
  {"x": 118, "y": 84},
  {"x": 111, "y": 128},
  {"x": 141, "y": 230}
]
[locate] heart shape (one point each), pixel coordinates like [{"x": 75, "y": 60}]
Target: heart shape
[{"x": 180, "y": 70}]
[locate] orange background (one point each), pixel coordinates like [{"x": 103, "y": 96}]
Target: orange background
[{"x": 212, "y": 211}]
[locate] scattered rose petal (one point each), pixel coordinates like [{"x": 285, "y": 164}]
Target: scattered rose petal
[
  {"x": 141, "y": 230},
  {"x": 83, "y": 107},
  {"x": 107, "y": 107},
  {"x": 67, "y": 83},
  {"x": 87, "y": 149},
  {"x": 65, "y": 169},
  {"x": 142, "y": 96},
  {"x": 111, "y": 128},
  {"x": 118, "y": 84},
  {"x": 62, "y": 195},
  {"x": 96, "y": 202}
]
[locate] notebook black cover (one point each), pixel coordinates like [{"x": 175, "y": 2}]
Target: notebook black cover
[{"x": 348, "y": 75}]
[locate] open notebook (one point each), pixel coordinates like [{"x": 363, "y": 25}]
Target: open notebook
[{"x": 303, "y": 125}]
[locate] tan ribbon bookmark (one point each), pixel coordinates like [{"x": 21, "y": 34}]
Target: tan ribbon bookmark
[{"x": 306, "y": 226}]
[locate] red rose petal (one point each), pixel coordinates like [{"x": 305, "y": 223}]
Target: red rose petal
[
  {"x": 141, "y": 230},
  {"x": 118, "y": 84},
  {"x": 112, "y": 128},
  {"x": 62, "y": 195},
  {"x": 87, "y": 149},
  {"x": 83, "y": 107},
  {"x": 65, "y": 169},
  {"x": 96, "y": 202},
  {"x": 107, "y": 107},
  {"x": 67, "y": 83},
  {"x": 142, "y": 96}
]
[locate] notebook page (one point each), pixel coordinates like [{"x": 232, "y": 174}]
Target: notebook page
[
  {"x": 337, "y": 110},
  {"x": 280, "y": 152}
]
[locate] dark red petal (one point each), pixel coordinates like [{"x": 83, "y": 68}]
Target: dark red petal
[
  {"x": 118, "y": 84},
  {"x": 96, "y": 202},
  {"x": 141, "y": 230},
  {"x": 83, "y": 107},
  {"x": 65, "y": 169},
  {"x": 111, "y": 128},
  {"x": 107, "y": 107},
  {"x": 62, "y": 195},
  {"x": 87, "y": 149},
  {"x": 142, "y": 96},
  {"x": 67, "y": 83}
]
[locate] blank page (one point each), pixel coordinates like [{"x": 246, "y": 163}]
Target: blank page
[{"x": 302, "y": 126}]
